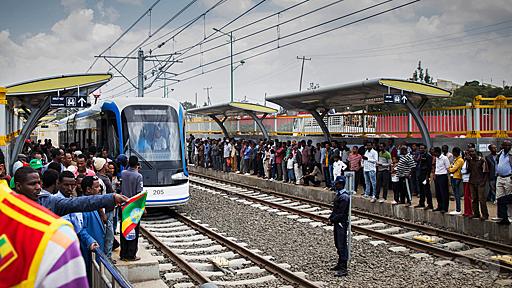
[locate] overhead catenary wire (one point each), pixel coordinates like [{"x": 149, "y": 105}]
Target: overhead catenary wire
[
  {"x": 270, "y": 27},
  {"x": 124, "y": 33},
  {"x": 303, "y": 30},
  {"x": 299, "y": 40}
]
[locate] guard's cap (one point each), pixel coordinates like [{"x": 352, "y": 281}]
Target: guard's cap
[{"x": 341, "y": 179}]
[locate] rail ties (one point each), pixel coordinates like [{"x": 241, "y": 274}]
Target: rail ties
[
  {"x": 197, "y": 250},
  {"x": 425, "y": 239}
]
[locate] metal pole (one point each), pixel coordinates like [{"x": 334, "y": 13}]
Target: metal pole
[
  {"x": 140, "y": 74},
  {"x": 303, "y": 58},
  {"x": 231, "y": 44}
]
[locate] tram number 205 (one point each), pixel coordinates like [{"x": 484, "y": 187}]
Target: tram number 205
[{"x": 157, "y": 192}]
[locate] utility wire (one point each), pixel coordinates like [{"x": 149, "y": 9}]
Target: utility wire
[
  {"x": 124, "y": 33},
  {"x": 298, "y": 32},
  {"x": 299, "y": 40},
  {"x": 268, "y": 28}
]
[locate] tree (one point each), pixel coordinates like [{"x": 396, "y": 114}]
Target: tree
[
  {"x": 188, "y": 105},
  {"x": 419, "y": 76},
  {"x": 427, "y": 77}
]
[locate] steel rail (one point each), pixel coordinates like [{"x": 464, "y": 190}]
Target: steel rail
[
  {"x": 192, "y": 272},
  {"x": 416, "y": 245},
  {"x": 259, "y": 260},
  {"x": 449, "y": 235}
]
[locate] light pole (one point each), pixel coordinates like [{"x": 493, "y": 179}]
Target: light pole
[{"x": 230, "y": 35}]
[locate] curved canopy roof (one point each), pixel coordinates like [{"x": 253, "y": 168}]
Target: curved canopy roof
[
  {"x": 33, "y": 92},
  {"x": 232, "y": 109},
  {"x": 369, "y": 92}
]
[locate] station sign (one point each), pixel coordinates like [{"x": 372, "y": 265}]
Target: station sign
[
  {"x": 68, "y": 102},
  {"x": 395, "y": 99}
]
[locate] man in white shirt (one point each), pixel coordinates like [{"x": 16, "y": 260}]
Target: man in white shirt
[
  {"x": 441, "y": 180},
  {"x": 370, "y": 159},
  {"x": 227, "y": 155}
]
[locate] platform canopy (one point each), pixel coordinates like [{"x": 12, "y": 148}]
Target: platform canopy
[
  {"x": 359, "y": 94},
  {"x": 226, "y": 110},
  {"x": 34, "y": 96}
]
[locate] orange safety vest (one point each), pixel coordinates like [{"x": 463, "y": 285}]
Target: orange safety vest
[{"x": 25, "y": 230}]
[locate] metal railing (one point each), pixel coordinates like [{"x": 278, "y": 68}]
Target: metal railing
[
  {"x": 475, "y": 120},
  {"x": 106, "y": 274}
]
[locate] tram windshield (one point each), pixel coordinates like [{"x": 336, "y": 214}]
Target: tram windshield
[{"x": 153, "y": 132}]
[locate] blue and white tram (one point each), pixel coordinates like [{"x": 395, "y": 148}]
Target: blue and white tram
[{"x": 151, "y": 129}]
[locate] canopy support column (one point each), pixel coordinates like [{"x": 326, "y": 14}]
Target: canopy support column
[
  {"x": 221, "y": 124},
  {"x": 32, "y": 121},
  {"x": 259, "y": 122},
  {"x": 320, "y": 120},
  {"x": 416, "y": 114}
]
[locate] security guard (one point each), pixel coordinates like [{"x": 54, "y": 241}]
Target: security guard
[{"x": 340, "y": 219}]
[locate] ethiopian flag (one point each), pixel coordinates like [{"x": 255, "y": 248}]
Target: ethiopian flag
[
  {"x": 132, "y": 212},
  {"x": 7, "y": 252}
]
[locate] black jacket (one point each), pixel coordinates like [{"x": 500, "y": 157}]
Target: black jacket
[{"x": 341, "y": 204}]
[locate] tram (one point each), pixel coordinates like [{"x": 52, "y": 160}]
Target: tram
[{"x": 151, "y": 129}]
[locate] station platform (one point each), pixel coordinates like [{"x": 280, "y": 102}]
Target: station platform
[
  {"x": 487, "y": 229},
  {"x": 144, "y": 273}
]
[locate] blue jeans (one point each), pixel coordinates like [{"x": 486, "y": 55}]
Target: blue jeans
[
  {"x": 370, "y": 179},
  {"x": 291, "y": 175},
  {"x": 331, "y": 174},
  {"x": 327, "y": 177},
  {"x": 456, "y": 193}
]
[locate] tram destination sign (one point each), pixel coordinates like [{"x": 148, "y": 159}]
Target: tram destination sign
[
  {"x": 395, "y": 99},
  {"x": 68, "y": 102}
]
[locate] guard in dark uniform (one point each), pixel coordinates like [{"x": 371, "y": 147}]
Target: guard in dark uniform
[{"x": 340, "y": 219}]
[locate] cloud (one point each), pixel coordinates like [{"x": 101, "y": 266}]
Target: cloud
[
  {"x": 131, "y": 2},
  {"x": 71, "y": 5}
]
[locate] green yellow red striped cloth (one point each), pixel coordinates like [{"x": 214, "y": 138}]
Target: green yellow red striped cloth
[{"x": 132, "y": 212}]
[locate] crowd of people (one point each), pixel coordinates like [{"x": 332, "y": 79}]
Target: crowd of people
[
  {"x": 83, "y": 187},
  {"x": 408, "y": 169}
]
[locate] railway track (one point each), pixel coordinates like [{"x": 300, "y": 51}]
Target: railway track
[
  {"x": 201, "y": 253},
  {"x": 430, "y": 240}
]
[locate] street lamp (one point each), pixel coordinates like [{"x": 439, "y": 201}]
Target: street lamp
[{"x": 230, "y": 35}]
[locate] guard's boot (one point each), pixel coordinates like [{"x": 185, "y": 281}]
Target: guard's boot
[
  {"x": 343, "y": 271},
  {"x": 336, "y": 268}
]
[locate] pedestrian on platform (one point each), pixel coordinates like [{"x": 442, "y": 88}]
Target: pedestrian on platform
[
  {"x": 370, "y": 159},
  {"x": 441, "y": 180},
  {"x": 340, "y": 219},
  {"x": 456, "y": 178},
  {"x": 424, "y": 171},
  {"x": 92, "y": 232},
  {"x": 492, "y": 161},
  {"x": 338, "y": 167},
  {"x": 290, "y": 161},
  {"x": 478, "y": 175},
  {"x": 468, "y": 209},
  {"x": 354, "y": 163},
  {"x": 404, "y": 170},
  {"x": 504, "y": 181},
  {"x": 395, "y": 181},
  {"x": 326, "y": 154},
  {"x": 131, "y": 185},
  {"x": 226, "y": 164},
  {"x": 383, "y": 175}
]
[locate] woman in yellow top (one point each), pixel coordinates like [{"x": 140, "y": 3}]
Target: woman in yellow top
[{"x": 456, "y": 175}]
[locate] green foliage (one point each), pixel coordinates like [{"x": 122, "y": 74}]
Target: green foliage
[
  {"x": 467, "y": 93},
  {"x": 187, "y": 105}
]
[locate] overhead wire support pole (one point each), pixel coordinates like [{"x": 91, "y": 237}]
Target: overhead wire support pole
[
  {"x": 230, "y": 35},
  {"x": 303, "y": 58},
  {"x": 140, "y": 73}
]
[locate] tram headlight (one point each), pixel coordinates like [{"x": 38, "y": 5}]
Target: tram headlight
[{"x": 179, "y": 176}]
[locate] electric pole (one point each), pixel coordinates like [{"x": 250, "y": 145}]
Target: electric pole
[
  {"x": 303, "y": 58},
  {"x": 196, "y": 99},
  {"x": 208, "y": 95}
]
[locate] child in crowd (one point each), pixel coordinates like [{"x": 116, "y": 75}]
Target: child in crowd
[
  {"x": 289, "y": 166},
  {"x": 338, "y": 167}
]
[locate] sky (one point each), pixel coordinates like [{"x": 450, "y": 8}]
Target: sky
[{"x": 458, "y": 40}]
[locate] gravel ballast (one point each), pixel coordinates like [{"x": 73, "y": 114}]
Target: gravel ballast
[{"x": 311, "y": 249}]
